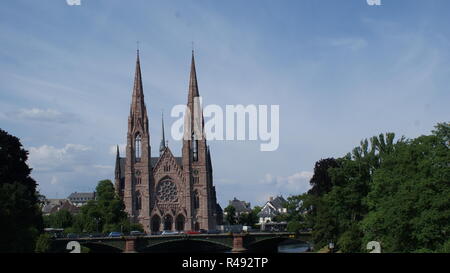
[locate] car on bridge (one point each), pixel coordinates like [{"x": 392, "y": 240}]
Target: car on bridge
[
  {"x": 96, "y": 235},
  {"x": 193, "y": 232},
  {"x": 115, "y": 234},
  {"x": 137, "y": 233},
  {"x": 72, "y": 235},
  {"x": 169, "y": 232},
  {"x": 214, "y": 231}
]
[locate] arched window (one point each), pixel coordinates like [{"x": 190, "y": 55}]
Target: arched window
[
  {"x": 168, "y": 220},
  {"x": 196, "y": 200},
  {"x": 138, "y": 200},
  {"x": 156, "y": 223},
  {"x": 179, "y": 223},
  {"x": 138, "y": 147}
]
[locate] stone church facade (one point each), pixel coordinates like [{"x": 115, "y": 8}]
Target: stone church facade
[{"x": 166, "y": 192}]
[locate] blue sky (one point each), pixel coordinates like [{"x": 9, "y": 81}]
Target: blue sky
[{"x": 341, "y": 71}]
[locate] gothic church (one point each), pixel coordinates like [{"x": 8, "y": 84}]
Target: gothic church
[{"x": 166, "y": 192}]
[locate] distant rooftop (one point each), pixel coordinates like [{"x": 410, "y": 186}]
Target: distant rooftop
[{"x": 240, "y": 206}]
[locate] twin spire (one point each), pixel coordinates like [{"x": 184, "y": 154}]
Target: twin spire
[{"x": 138, "y": 104}]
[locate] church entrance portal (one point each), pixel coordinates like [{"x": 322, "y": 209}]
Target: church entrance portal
[
  {"x": 156, "y": 223},
  {"x": 168, "y": 222}
]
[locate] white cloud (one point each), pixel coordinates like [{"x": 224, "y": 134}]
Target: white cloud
[
  {"x": 295, "y": 183},
  {"x": 351, "y": 43},
  {"x": 49, "y": 158},
  {"x": 72, "y": 167},
  {"x": 42, "y": 115}
]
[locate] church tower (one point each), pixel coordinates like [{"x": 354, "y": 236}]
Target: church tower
[
  {"x": 196, "y": 160},
  {"x": 137, "y": 164}
]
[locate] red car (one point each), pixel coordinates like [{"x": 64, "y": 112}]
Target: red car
[{"x": 193, "y": 232}]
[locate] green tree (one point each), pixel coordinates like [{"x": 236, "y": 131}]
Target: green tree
[
  {"x": 20, "y": 215},
  {"x": 249, "y": 218},
  {"x": 105, "y": 214},
  {"x": 409, "y": 201},
  {"x": 230, "y": 215},
  {"x": 337, "y": 201},
  {"x": 60, "y": 219},
  {"x": 321, "y": 181},
  {"x": 43, "y": 243},
  {"x": 392, "y": 192}
]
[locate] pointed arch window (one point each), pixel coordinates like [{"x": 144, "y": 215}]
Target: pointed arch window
[
  {"x": 138, "y": 204},
  {"x": 138, "y": 147},
  {"x": 196, "y": 200}
]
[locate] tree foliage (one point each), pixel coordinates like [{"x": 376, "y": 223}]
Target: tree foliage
[
  {"x": 60, "y": 219},
  {"x": 410, "y": 198},
  {"x": 20, "y": 216},
  {"x": 43, "y": 243},
  {"x": 250, "y": 218},
  {"x": 103, "y": 215},
  {"x": 394, "y": 192},
  {"x": 230, "y": 215}
]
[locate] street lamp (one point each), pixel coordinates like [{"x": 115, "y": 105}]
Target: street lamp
[{"x": 331, "y": 247}]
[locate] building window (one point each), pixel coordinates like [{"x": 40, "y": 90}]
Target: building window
[
  {"x": 167, "y": 168},
  {"x": 137, "y": 147},
  {"x": 138, "y": 204},
  {"x": 196, "y": 200},
  {"x": 137, "y": 177},
  {"x": 166, "y": 192},
  {"x": 195, "y": 176}
]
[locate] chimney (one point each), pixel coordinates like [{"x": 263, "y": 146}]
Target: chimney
[{"x": 271, "y": 198}]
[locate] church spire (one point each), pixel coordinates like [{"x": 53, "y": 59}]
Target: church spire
[
  {"x": 138, "y": 104},
  {"x": 193, "y": 87},
  {"x": 162, "y": 146}
]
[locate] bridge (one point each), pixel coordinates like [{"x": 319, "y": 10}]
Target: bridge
[{"x": 234, "y": 242}]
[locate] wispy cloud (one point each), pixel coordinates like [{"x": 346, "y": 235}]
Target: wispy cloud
[
  {"x": 41, "y": 115},
  {"x": 349, "y": 43}
]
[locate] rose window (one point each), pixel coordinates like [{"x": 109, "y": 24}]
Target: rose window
[{"x": 167, "y": 191}]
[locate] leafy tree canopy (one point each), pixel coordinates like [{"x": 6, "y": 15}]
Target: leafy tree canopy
[{"x": 20, "y": 216}]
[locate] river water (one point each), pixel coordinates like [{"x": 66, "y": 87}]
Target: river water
[{"x": 293, "y": 248}]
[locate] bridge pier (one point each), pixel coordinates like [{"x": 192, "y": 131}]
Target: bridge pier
[
  {"x": 130, "y": 245},
  {"x": 238, "y": 243}
]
